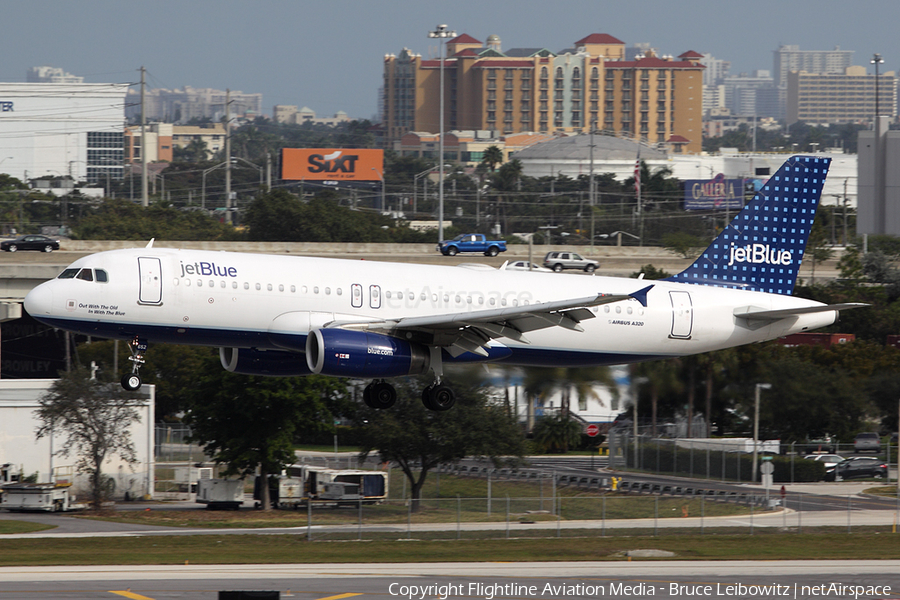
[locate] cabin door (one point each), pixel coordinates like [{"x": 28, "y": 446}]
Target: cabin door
[
  {"x": 150, "y": 270},
  {"x": 682, "y": 315}
]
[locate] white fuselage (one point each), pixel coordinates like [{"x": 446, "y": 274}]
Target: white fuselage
[{"x": 258, "y": 301}]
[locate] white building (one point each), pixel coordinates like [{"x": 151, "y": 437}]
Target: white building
[
  {"x": 20, "y": 447},
  {"x": 62, "y": 129}
]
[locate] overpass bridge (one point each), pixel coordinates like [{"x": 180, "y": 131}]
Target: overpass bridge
[{"x": 20, "y": 272}]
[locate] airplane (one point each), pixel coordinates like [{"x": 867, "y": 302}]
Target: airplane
[{"x": 295, "y": 316}]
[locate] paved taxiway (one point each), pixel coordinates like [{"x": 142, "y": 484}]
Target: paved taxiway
[{"x": 521, "y": 581}]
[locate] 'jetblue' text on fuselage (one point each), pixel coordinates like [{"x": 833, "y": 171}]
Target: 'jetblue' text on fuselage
[{"x": 207, "y": 268}]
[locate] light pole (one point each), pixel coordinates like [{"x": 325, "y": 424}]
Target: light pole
[
  {"x": 759, "y": 386},
  {"x": 416, "y": 185},
  {"x": 880, "y": 202},
  {"x": 876, "y": 60},
  {"x": 381, "y": 177},
  {"x": 441, "y": 32},
  {"x": 203, "y": 187}
]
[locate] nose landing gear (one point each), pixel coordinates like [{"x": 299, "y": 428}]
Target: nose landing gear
[{"x": 132, "y": 381}]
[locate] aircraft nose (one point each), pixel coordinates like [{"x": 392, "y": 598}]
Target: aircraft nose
[{"x": 39, "y": 301}]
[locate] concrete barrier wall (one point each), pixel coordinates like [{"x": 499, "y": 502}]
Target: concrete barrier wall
[{"x": 317, "y": 248}]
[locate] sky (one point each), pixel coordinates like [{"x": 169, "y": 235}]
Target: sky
[{"x": 328, "y": 55}]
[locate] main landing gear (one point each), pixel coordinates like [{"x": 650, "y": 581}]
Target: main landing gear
[
  {"x": 380, "y": 394},
  {"x": 132, "y": 381}
]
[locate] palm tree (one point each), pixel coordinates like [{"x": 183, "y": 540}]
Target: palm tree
[
  {"x": 492, "y": 157},
  {"x": 661, "y": 377}
]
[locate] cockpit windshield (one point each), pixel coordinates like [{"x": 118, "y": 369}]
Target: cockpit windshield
[{"x": 85, "y": 275}]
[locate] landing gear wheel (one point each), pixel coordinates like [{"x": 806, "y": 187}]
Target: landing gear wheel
[
  {"x": 438, "y": 397},
  {"x": 131, "y": 382},
  {"x": 380, "y": 395}
]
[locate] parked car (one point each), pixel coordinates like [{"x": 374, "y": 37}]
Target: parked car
[
  {"x": 868, "y": 441},
  {"x": 829, "y": 460},
  {"x": 523, "y": 265},
  {"x": 30, "y": 242},
  {"x": 823, "y": 444},
  {"x": 569, "y": 260},
  {"x": 856, "y": 468}
]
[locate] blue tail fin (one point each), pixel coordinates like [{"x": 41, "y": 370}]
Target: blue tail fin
[{"x": 761, "y": 249}]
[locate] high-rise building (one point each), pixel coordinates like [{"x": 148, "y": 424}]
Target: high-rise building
[
  {"x": 51, "y": 75},
  {"x": 180, "y": 106},
  {"x": 848, "y": 97},
  {"x": 822, "y": 62},
  {"x": 534, "y": 89}
]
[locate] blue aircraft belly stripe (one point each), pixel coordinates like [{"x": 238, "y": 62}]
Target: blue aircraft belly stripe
[{"x": 170, "y": 334}]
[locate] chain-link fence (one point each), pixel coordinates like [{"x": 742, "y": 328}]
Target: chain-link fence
[
  {"x": 621, "y": 513},
  {"x": 732, "y": 460}
]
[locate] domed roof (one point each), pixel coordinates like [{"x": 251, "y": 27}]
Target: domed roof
[
  {"x": 493, "y": 38},
  {"x": 578, "y": 147}
]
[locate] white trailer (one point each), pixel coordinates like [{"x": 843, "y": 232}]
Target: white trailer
[
  {"x": 221, "y": 493},
  {"x": 43, "y": 497},
  {"x": 300, "y": 483}
]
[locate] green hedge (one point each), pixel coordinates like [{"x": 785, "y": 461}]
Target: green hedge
[{"x": 666, "y": 459}]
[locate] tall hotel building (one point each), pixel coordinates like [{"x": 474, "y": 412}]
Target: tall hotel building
[{"x": 656, "y": 99}]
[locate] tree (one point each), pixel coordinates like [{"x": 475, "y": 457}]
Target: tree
[
  {"x": 492, "y": 157},
  {"x": 556, "y": 433},
  {"x": 95, "y": 416},
  {"x": 249, "y": 422},
  {"x": 411, "y": 435}
]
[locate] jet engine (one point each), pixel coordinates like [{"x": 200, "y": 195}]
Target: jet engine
[
  {"x": 271, "y": 363},
  {"x": 346, "y": 353}
]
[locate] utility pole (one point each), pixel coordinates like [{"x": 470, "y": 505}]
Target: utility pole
[
  {"x": 591, "y": 186},
  {"x": 145, "y": 199},
  {"x": 227, "y": 155}
]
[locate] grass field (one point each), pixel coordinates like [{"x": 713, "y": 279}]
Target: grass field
[{"x": 262, "y": 549}]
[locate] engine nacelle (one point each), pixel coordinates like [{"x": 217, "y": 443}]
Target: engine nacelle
[
  {"x": 346, "y": 353},
  {"x": 271, "y": 363}
]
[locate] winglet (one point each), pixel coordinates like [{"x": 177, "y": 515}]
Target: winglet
[
  {"x": 641, "y": 295},
  {"x": 150, "y": 243}
]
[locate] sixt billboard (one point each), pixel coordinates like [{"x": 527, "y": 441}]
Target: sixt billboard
[
  {"x": 331, "y": 164},
  {"x": 714, "y": 194}
]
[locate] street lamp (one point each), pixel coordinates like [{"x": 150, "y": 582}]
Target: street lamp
[
  {"x": 441, "y": 32},
  {"x": 759, "y": 386},
  {"x": 203, "y": 187},
  {"x": 876, "y": 60},
  {"x": 416, "y": 184},
  {"x": 381, "y": 177},
  {"x": 618, "y": 235}
]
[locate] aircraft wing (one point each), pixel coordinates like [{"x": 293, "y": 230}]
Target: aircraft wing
[
  {"x": 471, "y": 331},
  {"x": 759, "y": 314}
]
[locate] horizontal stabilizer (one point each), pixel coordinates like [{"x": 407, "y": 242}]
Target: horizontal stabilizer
[{"x": 753, "y": 313}]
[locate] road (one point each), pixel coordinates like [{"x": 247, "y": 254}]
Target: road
[{"x": 487, "y": 581}]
